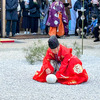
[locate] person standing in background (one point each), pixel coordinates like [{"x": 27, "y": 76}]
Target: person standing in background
[
  {"x": 77, "y": 7},
  {"x": 67, "y": 9},
  {"x": 26, "y": 17},
  {"x": 57, "y": 19},
  {"x": 95, "y": 4},
  {"x": 96, "y": 32},
  {"x": 73, "y": 16},
  {"x": 19, "y": 16},
  {"x": 11, "y": 16},
  {"x": 34, "y": 15},
  {"x": 44, "y": 7},
  {"x": 0, "y": 27}
]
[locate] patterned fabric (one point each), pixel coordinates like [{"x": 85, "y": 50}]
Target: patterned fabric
[
  {"x": 59, "y": 31},
  {"x": 53, "y": 19},
  {"x": 70, "y": 71}
]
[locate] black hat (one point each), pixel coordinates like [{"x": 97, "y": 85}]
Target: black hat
[{"x": 53, "y": 42}]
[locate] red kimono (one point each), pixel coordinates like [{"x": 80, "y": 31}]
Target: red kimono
[{"x": 70, "y": 72}]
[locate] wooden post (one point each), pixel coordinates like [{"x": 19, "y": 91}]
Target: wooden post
[
  {"x": 82, "y": 18},
  {"x": 3, "y": 18}
]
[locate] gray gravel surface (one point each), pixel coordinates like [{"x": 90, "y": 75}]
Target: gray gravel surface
[{"x": 16, "y": 74}]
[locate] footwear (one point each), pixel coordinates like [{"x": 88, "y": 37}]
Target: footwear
[
  {"x": 87, "y": 34},
  {"x": 25, "y": 32},
  {"x": 92, "y": 36},
  {"x": 33, "y": 33},
  {"x": 76, "y": 34},
  {"x": 57, "y": 36},
  {"x": 42, "y": 33},
  {"x": 67, "y": 35},
  {"x": 6, "y": 36},
  {"x": 97, "y": 39},
  {"x": 13, "y": 35},
  {"x": 78, "y": 31},
  {"x": 17, "y": 33},
  {"x": 28, "y": 32},
  {"x": 84, "y": 36}
]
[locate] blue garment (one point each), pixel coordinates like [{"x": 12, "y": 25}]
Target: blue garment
[
  {"x": 94, "y": 22},
  {"x": 92, "y": 26},
  {"x": 11, "y": 9},
  {"x": 43, "y": 18}
]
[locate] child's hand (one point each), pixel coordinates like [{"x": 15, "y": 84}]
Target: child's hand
[{"x": 48, "y": 71}]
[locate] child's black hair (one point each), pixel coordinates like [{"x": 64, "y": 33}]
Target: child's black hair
[{"x": 94, "y": 16}]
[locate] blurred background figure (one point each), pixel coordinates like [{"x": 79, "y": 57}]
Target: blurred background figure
[
  {"x": 67, "y": 9},
  {"x": 73, "y": 17},
  {"x": 0, "y": 27},
  {"x": 11, "y": 16},
  {"x": 34, "y": 15},
  {"x": 57, "y": 19},
  {"x": 93, "y": 24},
  {"x": 95, "y": 5},
  {"x": 26, "y": 17},
  {"x": 44, "y": 8},
  {"x": 96, "y": 32},
  {"x": 19, "y": 16},
  {"x": 77, "y": 7}
]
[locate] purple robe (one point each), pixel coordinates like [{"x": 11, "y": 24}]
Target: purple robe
[{"x": 53, "y": 20}]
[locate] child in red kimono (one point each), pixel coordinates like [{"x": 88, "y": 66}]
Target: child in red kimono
[{"x": 69, "y": 68}]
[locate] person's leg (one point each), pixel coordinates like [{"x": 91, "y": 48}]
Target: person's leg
[
  {"x": 8, "y": 27},
  {"x": 88, "y": 29},
  {"x": 13, "y": 27},
  {"x": 55, "y": 65},
  {"x": 35, "y": 24},
  {"x": 25, "y": 32},
  {"x": 29, "y": 24},
  {"x": 18, "y": 25},
  {"x": 28, "y": 31},
  {"x": 92, "y": 28},
  {"x": 32, "y": 25},
  {"x": 76, "y": 34},
  {"x": 96, "y": 33},
  {"x": 46, "y": 29}
]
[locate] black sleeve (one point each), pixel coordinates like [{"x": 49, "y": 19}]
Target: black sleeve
[
  {"x": 75, "y": 6},
  {"x": 15, "y": 5},
  {"x": 22, "y": 5}
]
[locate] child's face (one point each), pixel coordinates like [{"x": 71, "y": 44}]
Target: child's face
[
  {"x": 56, "y": 50},
  {"x": 93, "y": 18}
]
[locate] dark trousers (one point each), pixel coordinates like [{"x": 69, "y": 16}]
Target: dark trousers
[
  {"x": 0, "y": 26},
  {"x": 34, "y": 24},
  {"x": 18, "y": 25},
  {"x": 13, "y": 26},
  {"x": 46, "y": 29},
  {"x": 76, "y": 34},
  {"x": 96, "y": 32},
  {"x": 88, "y": 29}
]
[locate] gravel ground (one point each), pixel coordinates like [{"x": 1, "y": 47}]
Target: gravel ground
[{"x": 16, "y": 74}]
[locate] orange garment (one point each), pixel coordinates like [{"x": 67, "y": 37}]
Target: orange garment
[
  {"x": 57, "y": 30},
  {"x": 70, "y": 72}
]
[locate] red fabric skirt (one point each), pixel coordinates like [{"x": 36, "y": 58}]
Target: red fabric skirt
[{"x": 73, "y": 74}]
